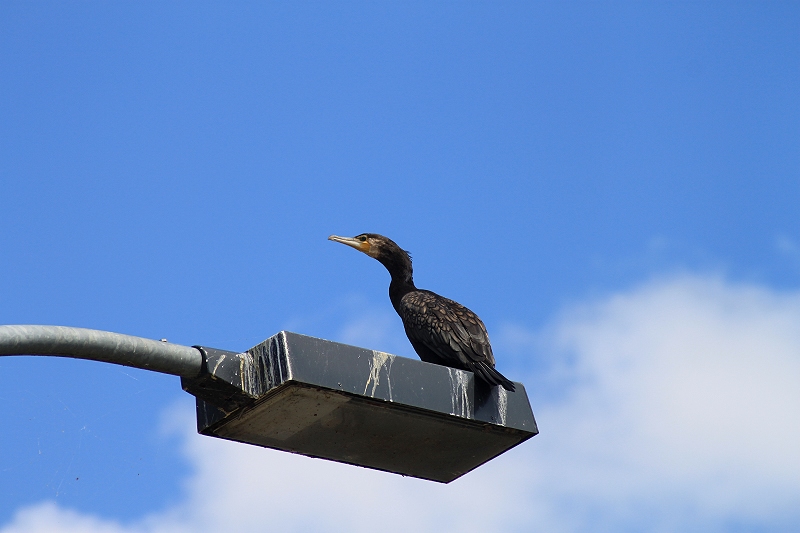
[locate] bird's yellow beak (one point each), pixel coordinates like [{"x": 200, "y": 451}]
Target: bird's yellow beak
[{"x": 361, "y": 246}]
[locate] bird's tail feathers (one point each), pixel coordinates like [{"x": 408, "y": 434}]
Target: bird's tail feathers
[{"x": 492, "y": 376}]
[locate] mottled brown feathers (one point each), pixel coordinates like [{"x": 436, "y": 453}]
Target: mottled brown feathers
[{"x": 441, "y": 331}]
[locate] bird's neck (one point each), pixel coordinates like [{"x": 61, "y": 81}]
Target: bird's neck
[
  {"x": 398, "y": 263},
  {"x": 402, "y": 283}
]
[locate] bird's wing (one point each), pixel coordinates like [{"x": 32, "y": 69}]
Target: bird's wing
[{"x": 447, "y": 328}]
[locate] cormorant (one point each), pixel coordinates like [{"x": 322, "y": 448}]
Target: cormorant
[{"x": 440, "y": 330}]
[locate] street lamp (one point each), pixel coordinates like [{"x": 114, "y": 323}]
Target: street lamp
[{"x": 319, "y": 398}]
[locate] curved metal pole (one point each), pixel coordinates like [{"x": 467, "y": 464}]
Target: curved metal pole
[{"x": 105, "y": 346}]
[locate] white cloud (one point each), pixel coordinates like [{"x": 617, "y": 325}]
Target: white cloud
[
  {"x": 684, "y": 405},
  {"x": 48, "y": 517},
  {"x": 678, "y": 409}
]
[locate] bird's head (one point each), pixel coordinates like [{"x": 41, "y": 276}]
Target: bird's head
[{"x": 385, "y": 250}]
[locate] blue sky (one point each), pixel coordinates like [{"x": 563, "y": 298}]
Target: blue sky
[{"x": 596, "y": 180}]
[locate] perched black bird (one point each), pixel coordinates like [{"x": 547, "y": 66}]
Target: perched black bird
[{"x": 440, "y": 330}]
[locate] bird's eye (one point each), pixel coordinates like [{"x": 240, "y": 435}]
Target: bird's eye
[{"x": 362, "y": 238}]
